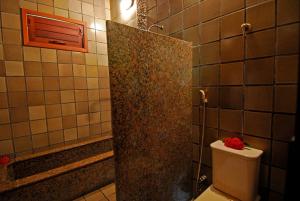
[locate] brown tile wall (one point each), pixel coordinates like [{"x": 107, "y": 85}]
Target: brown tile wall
[
  {"x": 47, "y": 96},
  {"x": 251, "y": 82}
]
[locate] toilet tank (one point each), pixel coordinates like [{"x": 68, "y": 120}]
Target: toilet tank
[{"x": 236, "y": 172}]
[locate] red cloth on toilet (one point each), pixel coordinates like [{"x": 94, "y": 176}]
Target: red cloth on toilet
[{"x": 234, "y": 142}]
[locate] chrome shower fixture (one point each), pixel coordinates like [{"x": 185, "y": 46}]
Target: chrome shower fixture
[
  {"x": 161, "y": 27},
  {"x": 246, "y": 27},
  {"x": 204, "y": 98},
  {"x": 202, "y": 180}
]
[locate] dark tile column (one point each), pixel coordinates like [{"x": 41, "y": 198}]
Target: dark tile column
[
  {"x": 151, "y": 92},
  {"x": 141, "y": 14}
]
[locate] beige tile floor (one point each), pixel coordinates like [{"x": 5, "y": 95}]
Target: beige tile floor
[{"x": 106, "y": 193}]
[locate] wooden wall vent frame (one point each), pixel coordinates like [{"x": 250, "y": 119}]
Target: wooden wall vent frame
[{"x": 50, "y": 31}]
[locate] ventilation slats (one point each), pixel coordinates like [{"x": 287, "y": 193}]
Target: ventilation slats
[
  {"x": 71, "y": 32},
  {"x": 54, "y": 22},
  {"x": 45, "y": 30},
  {"x": 58, "y": 36}
]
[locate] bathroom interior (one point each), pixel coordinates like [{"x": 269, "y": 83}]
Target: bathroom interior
[{"x": 148, "y": 100}]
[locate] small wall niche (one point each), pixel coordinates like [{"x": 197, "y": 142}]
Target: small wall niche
[{"x": 50, "y": 31}]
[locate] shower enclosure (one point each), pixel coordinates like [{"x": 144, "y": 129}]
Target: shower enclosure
[{"x": 151, "y": 94}]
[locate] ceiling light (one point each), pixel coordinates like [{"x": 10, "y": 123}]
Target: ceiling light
[{"x": 126, "y": 4}]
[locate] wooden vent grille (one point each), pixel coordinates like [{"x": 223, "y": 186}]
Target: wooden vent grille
[{"x": 50, "y": 31}]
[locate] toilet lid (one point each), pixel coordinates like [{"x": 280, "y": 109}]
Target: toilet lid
[{"x": 212, "y": 194}]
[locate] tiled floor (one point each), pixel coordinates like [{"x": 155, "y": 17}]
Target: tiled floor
[{"x": 106, "y": 193}]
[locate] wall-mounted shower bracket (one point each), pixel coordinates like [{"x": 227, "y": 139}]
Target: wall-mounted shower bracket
[
  {"x": 203, "y": 94},
  {"x": 246, "y": 27}
]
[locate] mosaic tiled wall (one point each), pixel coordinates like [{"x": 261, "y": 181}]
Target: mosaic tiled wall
[
  {"x": 151, "y": 93},
  {"x": 50, "y": 97},
  {"x": 251, "y": 82}
]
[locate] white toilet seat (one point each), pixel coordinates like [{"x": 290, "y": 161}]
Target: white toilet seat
[{"x": 212, "y": 194}]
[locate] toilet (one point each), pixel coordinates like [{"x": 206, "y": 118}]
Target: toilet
[{"x": 235, "y": 174}]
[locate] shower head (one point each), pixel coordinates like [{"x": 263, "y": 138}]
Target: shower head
[{"x": 161, "y": 27}]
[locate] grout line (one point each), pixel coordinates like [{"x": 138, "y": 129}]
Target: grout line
[
  {"x": 219, "y": 78},
  {"x": 103, "y": 194},
  {"x": 27, "y": 106},
  {"x": 244, "y": 36},
  {"x": 273, "y": 99},
  {"x": 259, "y": 3}
]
